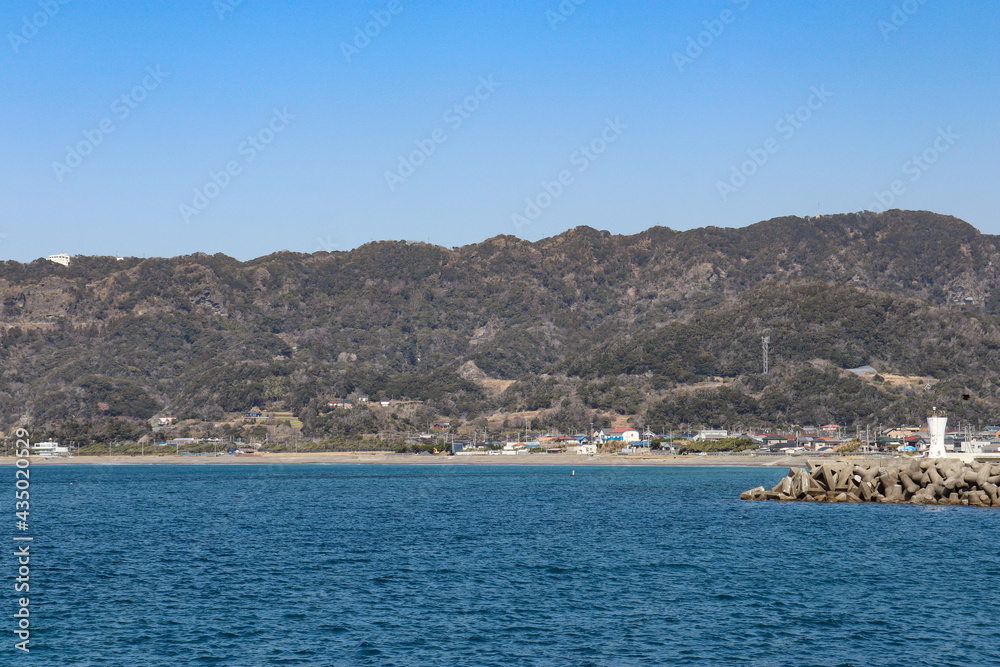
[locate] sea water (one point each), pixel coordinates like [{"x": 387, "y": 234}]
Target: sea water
[{"x": 491, "y": 565}]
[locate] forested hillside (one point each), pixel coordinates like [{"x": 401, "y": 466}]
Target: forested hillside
[{"x": 662, "y": 327}]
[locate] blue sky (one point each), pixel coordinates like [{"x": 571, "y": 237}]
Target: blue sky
[{"x": 237, "y": 126}]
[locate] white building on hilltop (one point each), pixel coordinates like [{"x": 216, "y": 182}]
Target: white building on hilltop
[{"x": 61, "y": 258}]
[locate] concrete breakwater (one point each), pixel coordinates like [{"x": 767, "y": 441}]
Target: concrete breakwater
[{"x": 925, "y": 481}]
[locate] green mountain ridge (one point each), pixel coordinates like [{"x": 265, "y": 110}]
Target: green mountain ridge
[{"x": 584, "y": 326}]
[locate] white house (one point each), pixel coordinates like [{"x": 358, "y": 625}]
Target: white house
[
  {"x": 61, "y": 258},
  {"x": 48, "y": 449},
  {"x": 620, "y": 435},
  {"x": 589, "y": 449},
  {"x": 711, "y": 434}
]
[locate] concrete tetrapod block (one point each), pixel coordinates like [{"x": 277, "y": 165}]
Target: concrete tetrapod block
[
  {"x": 867, "y": 474},
  {"x": 944, "y": 481},
  {"x": 934, "y": 476},
  {"x": 803, "y": 484},
  {"x": 815, "y": 486},
  {"x": 991, "y": 491},
  {"x": 828, "y": 477},
  {"x": 894, "y": 493},
  {"x": 956, "y": 480},
  {"x": 889, "y": 476},
  {"x": 909, "y": 485},
  {"x": 948, "y": 467}
]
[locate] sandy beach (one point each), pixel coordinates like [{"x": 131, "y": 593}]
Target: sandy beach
[{"x": 377, "y": 458}]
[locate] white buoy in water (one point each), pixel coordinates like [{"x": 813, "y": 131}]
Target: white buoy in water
[{"x": 574, "y": 474}]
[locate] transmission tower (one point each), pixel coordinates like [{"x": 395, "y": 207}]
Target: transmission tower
[{"x": 766, "y": 341}]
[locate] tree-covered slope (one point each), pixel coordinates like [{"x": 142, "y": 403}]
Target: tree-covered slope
[{"x": 585, "y": 323}]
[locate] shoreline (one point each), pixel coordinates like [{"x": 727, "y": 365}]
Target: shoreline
[{"x": 379, "y": 458}]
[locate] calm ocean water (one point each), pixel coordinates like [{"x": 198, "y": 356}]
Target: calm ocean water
[{"x": 492, "y": 565}]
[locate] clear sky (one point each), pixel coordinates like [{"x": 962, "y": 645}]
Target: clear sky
[{"x": 160, "y": 128}]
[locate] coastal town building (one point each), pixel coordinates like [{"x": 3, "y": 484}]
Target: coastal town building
[
  {"x": 48, "y": 449},
  {"x": 619, "y": 436}
]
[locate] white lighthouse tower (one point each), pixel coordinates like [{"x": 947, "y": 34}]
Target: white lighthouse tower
[{"x": 937, "y": 422}]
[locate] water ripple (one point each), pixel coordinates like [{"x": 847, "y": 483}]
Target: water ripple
[{"x": 498, "y": 565}]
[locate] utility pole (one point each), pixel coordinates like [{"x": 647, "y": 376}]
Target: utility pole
[{"x": 766, "y": 342}]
